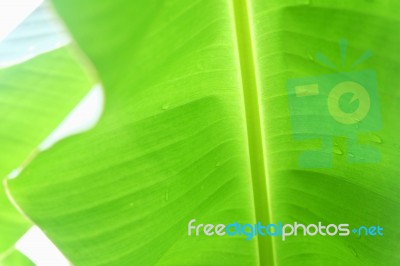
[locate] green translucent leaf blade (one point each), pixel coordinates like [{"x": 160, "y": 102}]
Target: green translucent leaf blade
[
  {"x": 192, "y": 91},
  {"x": 288, "y": 35},
  {"x": 14, "y": 258},
  {"x": 170, "y": 145}
]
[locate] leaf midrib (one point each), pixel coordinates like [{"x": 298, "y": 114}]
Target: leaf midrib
[{"x": 252, "y": 105}]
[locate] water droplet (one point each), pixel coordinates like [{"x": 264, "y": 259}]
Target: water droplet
[
  {"x": 354, "y": 251},
  {"x": 337, "y": 150},
  {"x": 169, "y": 16},
  {"x": 376, "y": 139},
  {"x": 351, "y": 155},
  {"x": 199, "y": 66},
  {"x": 218, "y": 164},
  {"x": 167, "y": 195},
  {"x": 165, "y": 106},
  {"x": 310, "y": 56}
]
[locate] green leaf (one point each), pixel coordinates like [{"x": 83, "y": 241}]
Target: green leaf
[
  {"x": 35, "y": 96},
  {"x": 12, "y": 225},
  {"x": 287, "y": 35},
  {"x": 139, "y": 161},
  {"x": 13, "y": 257},
  {"x": 197, "y": 126}
]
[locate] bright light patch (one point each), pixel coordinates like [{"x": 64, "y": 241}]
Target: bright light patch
[
  {"x": 82, "y": 118},
  {"x": 39, "y": 249},
  {"x": 12, "y": 12},
  {"x": 39, "y": 33}
]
